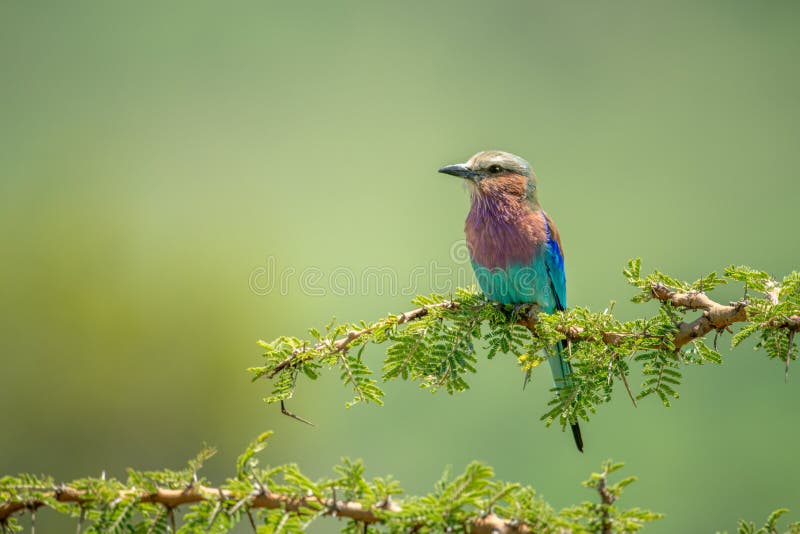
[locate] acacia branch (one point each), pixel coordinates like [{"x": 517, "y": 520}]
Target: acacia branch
[
  {"x": 173, "y": 498},
  {"x": 428, "y": 346},
  {"x": 715, "y": 317},
  {"x": 342, "y": 344}
]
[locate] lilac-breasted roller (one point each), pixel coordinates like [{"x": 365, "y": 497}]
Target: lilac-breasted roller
[{"x": 513, "y": 244}]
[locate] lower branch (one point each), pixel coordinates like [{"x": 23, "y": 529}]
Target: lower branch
[{"x": 473, "y": 501}]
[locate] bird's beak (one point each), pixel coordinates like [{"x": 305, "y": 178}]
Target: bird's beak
[{"x": 460, "y": 170}]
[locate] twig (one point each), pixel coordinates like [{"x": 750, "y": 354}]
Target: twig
[
  {"x": 286, "y": 412},
  {"x": 172, "y": 520},
  {"x": 252, "y": 521},
  {"x": 788, "y": 354},
  {"x": 625, "y": 381},
  {"x": 607, "y": 499},
  {"x": 282, "y": 523},
  {"x": 81, "y": 519},
  {"x": 217, "y": 510},
  {"x": 155, "y": 521}
]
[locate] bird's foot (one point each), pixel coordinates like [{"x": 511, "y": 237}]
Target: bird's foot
[
  {"x": 527, "y": 312},
  {"x": 524, "y": 313}
]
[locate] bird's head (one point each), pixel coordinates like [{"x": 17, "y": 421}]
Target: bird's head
[{"x": 493, "y": 172}]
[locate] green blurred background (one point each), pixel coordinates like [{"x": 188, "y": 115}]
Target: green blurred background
[{"x": 154, "y": 156}]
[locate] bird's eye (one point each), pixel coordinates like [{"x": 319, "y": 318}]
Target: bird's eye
[{"x": 494, "y": 169}]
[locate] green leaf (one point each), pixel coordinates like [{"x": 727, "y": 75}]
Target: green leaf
[
  {"x": 246, "y": 462},
  {"x": 706, "y": 353}
]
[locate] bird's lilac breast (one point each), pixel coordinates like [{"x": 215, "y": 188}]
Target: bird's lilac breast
[
  {"x": 507, "y": 243},
  {"x": 502, "y": 234}
]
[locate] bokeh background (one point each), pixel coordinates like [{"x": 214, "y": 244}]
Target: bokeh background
[{"x": 153, "y": 157}]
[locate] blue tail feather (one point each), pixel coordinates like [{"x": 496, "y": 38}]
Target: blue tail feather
[{"x": 562, "y": 376}]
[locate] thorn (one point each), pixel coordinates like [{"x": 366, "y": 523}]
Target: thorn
[
  {"x": 262, "y": 490},
  {"x": 334, "y": 506},
  {"x": 286, "y": 412},
  {"x": 386, "y": 503}
]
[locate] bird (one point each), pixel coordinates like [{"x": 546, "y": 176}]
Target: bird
[{"x": 514, "y": 246}]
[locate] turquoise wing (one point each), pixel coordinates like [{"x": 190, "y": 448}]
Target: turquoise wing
[{"x": 554, "y": 260}]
